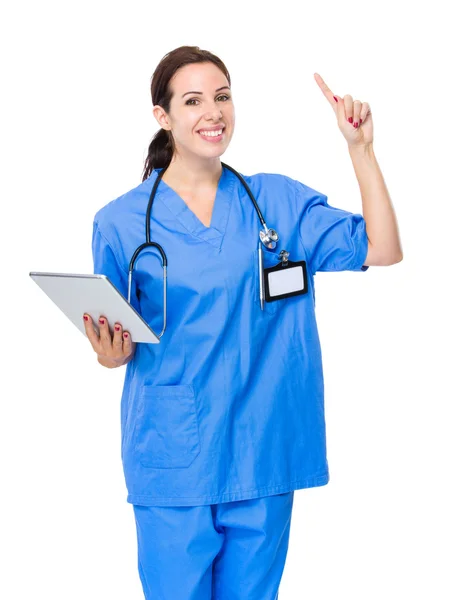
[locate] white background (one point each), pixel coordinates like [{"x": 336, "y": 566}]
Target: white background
[{"x": 76, "y": 124}]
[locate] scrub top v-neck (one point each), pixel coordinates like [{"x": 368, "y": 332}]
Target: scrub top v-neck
[
  {"x": 221, "y": 207},
  {"x": 230, "y": 404}
]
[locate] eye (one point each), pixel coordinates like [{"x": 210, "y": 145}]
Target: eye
[{"x": 222, "y": 96}]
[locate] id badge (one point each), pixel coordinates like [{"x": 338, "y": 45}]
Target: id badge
[{"x": 287, "y": 278}]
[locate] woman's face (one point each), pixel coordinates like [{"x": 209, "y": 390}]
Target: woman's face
[{"x": 208, "y": 106}]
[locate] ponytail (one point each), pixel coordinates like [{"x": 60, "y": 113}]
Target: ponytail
[{"x": 160, "y": 152}]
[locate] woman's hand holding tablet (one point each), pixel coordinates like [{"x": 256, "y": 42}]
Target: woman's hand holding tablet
[{"x": 111, "y": 351}]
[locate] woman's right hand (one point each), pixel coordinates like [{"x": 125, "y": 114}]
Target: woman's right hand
[{"x": 111, "y": 351}]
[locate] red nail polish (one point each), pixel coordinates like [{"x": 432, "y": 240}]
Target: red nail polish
[
  {"x": 102, "y": 321},
  {"x": 335, "y": 98},
  {"x": 350, "y": 120},
  {"x": 117, "y": 328},
  {"x": 125, "y": 335},
  {"x": 85, "y": 318}
]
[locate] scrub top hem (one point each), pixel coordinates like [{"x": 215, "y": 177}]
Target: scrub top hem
[{"x": 308, "y": 482}]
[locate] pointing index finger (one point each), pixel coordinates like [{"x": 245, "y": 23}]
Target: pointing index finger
[{"x": 324, "y": 88}]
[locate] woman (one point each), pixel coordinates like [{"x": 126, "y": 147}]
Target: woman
[{"x": 224, "y": 419}]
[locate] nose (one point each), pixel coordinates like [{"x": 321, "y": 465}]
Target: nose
[{"x": 215, "y": 114}]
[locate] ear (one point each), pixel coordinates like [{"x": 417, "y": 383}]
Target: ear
[{"x": 161, "y": 117}]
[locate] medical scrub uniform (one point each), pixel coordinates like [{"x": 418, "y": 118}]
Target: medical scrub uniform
[{"x": 224, "y": 418}]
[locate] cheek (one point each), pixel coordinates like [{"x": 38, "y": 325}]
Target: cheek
[
  {"x": 187, "y": 131},
  {"x": 229, "y": 117}
]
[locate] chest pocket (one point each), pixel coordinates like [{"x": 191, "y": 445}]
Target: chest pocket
[
  {"x": 166, "y": 430},
  {"x": 270, "y": 260}
]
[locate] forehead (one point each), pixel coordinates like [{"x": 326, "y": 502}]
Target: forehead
[{"x": 198, "y": 77}]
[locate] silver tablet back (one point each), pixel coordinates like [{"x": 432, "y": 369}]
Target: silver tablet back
[{"x": 76, "y": 294}]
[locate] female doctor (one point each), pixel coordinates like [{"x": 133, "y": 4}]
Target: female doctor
[{"x": 224, "y": 418}]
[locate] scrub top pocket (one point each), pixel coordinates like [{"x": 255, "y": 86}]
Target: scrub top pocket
[
  {"x": 270, "y": 260},
  {"x": 166, "y": 430}
]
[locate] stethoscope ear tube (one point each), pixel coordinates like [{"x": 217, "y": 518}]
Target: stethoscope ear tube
[
  {"x": 147, "y": 244},
  {"x": 164, "y": 284},
  {"x": 269, "y": 237}
]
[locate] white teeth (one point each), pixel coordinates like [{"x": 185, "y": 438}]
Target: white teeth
[{"x": 211, "y": 133}]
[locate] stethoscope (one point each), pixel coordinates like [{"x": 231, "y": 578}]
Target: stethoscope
[{"x": 268, "y": 237}]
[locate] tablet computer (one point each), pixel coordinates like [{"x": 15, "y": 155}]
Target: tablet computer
[{"x": 95, "y": 295}]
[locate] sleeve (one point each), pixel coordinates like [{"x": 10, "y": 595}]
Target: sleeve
[
  {"x": 334, "y": 239},
  {"x": 106, "y": 263}
]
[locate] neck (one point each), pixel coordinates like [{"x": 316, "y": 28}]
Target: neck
[{"x": 194, "y": 174}]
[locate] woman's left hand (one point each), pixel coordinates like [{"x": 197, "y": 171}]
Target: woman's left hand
[{"x": 353, "y": 117}]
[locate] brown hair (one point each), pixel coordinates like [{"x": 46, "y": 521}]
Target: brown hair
[{"x": 161, "y": 148}]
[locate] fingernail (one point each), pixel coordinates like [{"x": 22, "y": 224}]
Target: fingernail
[
  {"x": 335, "y": 98},
  {"x": 117, "y": 327},
  {"x": 126, "y": 335},
  {"x": 102, "y": 321},
  {"x": 86, "y": 318},
  {"x": 350, "y": 120},
  {"x": 355, "y": 125}
]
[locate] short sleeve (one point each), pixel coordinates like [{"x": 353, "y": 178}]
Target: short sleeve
[
  {"x": 106, "y": 263},
  {"x": 335, "y": 239}
]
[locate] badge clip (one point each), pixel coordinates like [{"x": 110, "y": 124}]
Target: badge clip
[{"x": 284, "y": 258}]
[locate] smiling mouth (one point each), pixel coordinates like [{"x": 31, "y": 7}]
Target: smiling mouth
[
  {"x": 211, "y": 130},
  {"x": 212, "y": 136}
]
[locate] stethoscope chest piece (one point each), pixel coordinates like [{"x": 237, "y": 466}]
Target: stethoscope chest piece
[{"x": 269, "y": 238}]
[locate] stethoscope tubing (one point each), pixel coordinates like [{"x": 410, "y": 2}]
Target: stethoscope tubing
[{"x": 267, "y": 235}]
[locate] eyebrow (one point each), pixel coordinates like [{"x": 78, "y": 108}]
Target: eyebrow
[{"x": 225, "y": 87}]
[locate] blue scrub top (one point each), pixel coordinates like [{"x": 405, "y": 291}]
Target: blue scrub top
[{"x": 230, "y": 404}]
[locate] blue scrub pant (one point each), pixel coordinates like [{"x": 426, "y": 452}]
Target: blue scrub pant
[{"x": 228, "y": 551}]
